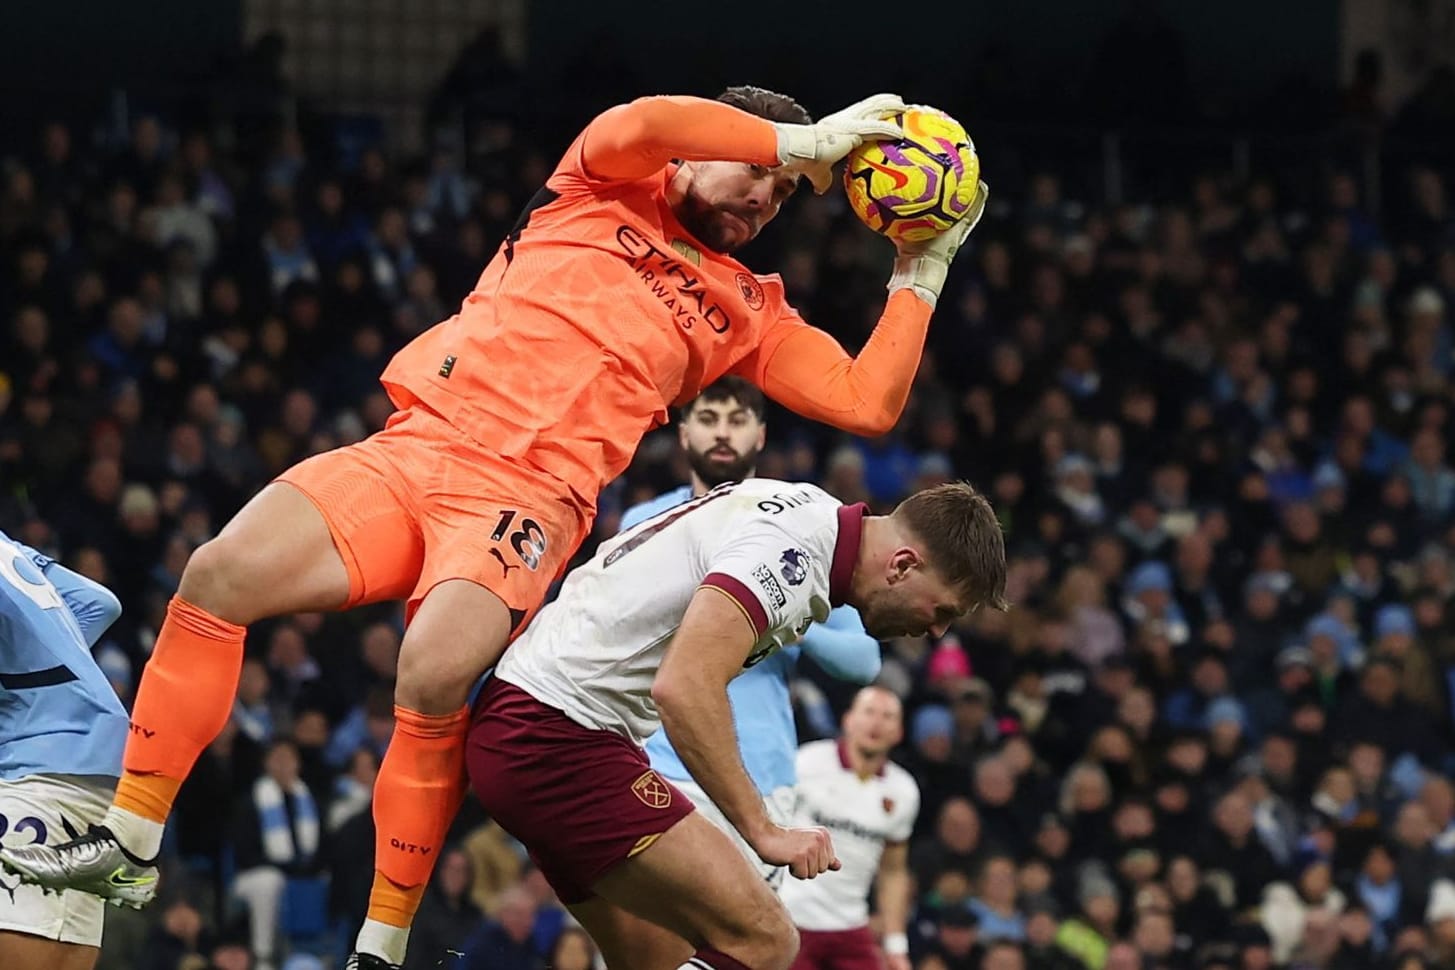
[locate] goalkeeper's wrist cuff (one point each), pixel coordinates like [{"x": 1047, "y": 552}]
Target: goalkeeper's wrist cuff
[
  {"x": 796, "y": 143},
  {"x": 922, "y": 273}
]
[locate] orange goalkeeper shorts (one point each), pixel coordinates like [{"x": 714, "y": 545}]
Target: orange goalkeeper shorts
[{"x": 419, "y": 503}]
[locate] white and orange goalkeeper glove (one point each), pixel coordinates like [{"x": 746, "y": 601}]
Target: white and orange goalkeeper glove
[
  {"x": 813, "y": 149},
  {"x": 923, "y": 266}
]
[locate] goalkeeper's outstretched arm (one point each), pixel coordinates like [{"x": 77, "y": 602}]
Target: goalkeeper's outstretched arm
[
  {"x": 633, "y": 140},
  {"x": 807, "y": 371}
]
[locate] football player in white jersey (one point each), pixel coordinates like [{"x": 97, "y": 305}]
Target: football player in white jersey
[
  {"x": 648, "y": 634},
  {"x": 722, "y": 433},
  {"x": 869, "y": 804}
]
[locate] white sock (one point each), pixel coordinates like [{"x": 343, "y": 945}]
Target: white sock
[
  {"x": 141, "y": 836},
  {"x": 383, "y": 940}
]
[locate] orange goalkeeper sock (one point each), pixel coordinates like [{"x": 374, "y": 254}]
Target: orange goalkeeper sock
[
  {"x": 420, "y": 787},
  {"x": 184, "y": 699}
]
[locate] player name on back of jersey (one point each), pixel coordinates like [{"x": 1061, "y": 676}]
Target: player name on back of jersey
[{"x": 780, "y": 502}]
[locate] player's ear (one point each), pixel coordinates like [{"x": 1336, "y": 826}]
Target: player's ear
[{"x": 902, "y": 562}]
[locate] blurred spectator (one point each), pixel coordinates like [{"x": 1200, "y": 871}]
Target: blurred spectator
[
  {"x": 957, "y": 939},
  {"x": 1088, "y": 936},
  {"x": 507, "y": 941},
  {"x": 573, "y": 950},
  {"x": 178, "y": 935},
  {"x": 447, "y": 916},
  {"x": 994, "y": 902},
  {"x": 954, "y": 845},
  {"x": 1286, "y": 907},
  {"x": 276, "y": 837}
]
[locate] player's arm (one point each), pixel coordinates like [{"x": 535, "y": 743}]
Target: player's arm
[
  {"x": 691, "y": 695},
  {"x": 94, "y": 606},
  {"x": 894, "y": 889},
  {"x": 633, "y": 140},
  {"x": 808, "y": 372},
  {"x": 841, "y": 647},
  {"x": 690, "y": 690},
  {"x": 643, "y": 511},
  {"x": 635, "y": 515}
]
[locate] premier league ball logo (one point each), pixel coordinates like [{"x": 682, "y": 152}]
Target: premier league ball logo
[{"x": 795, "y": 566}]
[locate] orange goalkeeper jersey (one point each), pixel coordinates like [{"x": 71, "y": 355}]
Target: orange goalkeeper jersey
[{"x": 599, "y": 312}]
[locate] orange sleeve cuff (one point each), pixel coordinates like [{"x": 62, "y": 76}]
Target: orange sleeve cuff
[
  {"x": 636, "y": 139},
  {"x": 807, "y": 371}
]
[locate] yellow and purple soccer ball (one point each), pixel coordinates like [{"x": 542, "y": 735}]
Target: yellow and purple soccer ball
[{"x": 915, "y": 188}]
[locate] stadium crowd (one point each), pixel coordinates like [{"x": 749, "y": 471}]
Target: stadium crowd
[{"x": 1215, "y": 731}]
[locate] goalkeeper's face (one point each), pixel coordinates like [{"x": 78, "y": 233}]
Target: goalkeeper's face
[{"x": 726, "y": 204}]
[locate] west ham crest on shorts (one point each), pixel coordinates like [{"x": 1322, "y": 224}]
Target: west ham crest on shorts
[{"x": 652, "y": 790}]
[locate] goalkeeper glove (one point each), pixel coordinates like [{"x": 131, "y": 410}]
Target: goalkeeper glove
[
  {"x": 812, "y": 150},
  {"x": 922, "y": 266}
]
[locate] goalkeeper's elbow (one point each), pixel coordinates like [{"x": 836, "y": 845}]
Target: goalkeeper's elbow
[
  {"x": 643, "y": 126},
  {"x": 869, "y": 423}
]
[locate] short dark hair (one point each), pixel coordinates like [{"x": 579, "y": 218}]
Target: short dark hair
[
  {"x": 766, "y": 104},
  {"x": 730, "y": 388},
  {"x": 962, "y": 537}
]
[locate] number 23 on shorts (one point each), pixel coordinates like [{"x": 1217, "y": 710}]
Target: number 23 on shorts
[{"x": 27, "y": 824}]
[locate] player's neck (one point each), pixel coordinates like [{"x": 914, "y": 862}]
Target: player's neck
[
  {"x": 865, "y": 765},
  {"x": 701, "y": 488},
  {"x": 877, "y": 538}
]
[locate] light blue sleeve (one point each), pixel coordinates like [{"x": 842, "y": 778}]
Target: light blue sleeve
[
  {"x": 645, "y": 510},
  {"x": 94, "y": 606},
  {"x": 841, "y": 647},
  {"x": 637, "y": 513}
]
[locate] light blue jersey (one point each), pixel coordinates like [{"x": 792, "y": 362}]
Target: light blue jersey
[
  {"x": 58, "y": 713},
  {"x": 762, "y": 711}
]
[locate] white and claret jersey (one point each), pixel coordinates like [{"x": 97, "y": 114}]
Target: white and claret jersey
[
  {"x": 783, "y": 552},
  {"x": 862, "y": 815}
]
